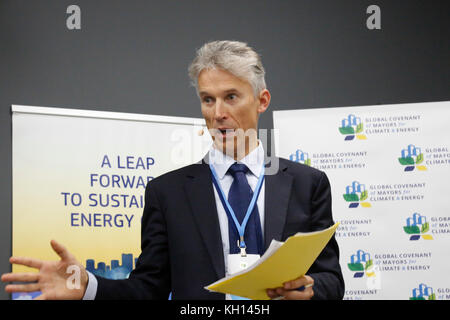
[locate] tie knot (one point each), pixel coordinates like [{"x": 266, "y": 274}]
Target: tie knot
[{"x": 237, "y": 167}]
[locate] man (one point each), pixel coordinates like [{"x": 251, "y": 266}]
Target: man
[{"x": 193, "y": 223}]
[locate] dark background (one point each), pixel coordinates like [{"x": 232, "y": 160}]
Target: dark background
[{"x": 132, "y": 56}]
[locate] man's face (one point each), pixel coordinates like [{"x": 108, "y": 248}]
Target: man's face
[{"x": 228, "y": 104}]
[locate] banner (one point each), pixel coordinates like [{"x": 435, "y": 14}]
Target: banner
[
  {"x": 79, "y": 177},
  {"x": 389, "y": 169}
]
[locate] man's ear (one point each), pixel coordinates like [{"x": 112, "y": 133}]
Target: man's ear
[{"x": 264, "y": 100}]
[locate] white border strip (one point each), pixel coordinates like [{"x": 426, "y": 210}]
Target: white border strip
[
  {"x": 436, "y": 104},
  {"x": 105, "y": 115}
]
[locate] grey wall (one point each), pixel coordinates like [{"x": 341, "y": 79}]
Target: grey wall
[{"x": 132, "y": 56}]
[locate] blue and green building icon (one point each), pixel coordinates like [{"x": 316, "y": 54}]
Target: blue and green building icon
[
  {"x": 356, "y": 194},
  {"x": 412, "y": 158},
  {"x": 417, "y": 227},
  {"x": 301, "y": 157},
  {"x": 423, "y": 292},
  {"x": 352, "y": 127},
  {"x": 361, "y": 264}
]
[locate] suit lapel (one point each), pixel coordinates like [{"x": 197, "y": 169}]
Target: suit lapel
[
  {"x": 277, "y": 192},
  {"x": 199, "y": 191}
]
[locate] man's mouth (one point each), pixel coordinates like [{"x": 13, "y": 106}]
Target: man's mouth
[{"x": 226, "y": 131}]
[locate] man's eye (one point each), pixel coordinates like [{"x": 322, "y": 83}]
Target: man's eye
[
  {"x": 232, "y": 96},
  {"x": 207, "y": 100}
]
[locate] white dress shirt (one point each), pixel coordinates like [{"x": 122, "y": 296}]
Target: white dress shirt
[{"x": 221, "y": 163}]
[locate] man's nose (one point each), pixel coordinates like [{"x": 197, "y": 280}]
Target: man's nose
[{"x": 220, "y": 110}]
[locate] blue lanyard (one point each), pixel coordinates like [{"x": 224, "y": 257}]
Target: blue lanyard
[{"x": 240, "y": 227}]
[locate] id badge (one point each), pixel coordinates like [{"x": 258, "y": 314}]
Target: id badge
[{"x": 236, "y": 262}]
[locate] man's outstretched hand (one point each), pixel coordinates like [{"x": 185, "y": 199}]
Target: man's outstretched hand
[{"x": 65, "y": 279}]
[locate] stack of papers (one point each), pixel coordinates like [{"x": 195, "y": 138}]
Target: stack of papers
[{"x": 282, "y": 261}]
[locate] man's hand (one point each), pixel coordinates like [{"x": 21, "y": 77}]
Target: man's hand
[
  {"x": 290, "y": 289},
  {"x": 57, "y": 280}
]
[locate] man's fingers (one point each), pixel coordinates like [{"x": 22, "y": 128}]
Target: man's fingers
[
  {"x": 29, "y": 262},
  {"x": 297, "y": 289},
  {"x": 299, "y": 282},
  {"x": 271, "y": 293},
  {"x": 295, "y": 294},
  {"x": 22, "y": 287},
  {"x": 306, "y": 294},
  {"x": 60, "y": 250},
  {"x": 20, "y": 277}
]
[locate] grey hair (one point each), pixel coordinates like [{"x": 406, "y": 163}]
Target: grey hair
[{"x": 233, "y": 56}]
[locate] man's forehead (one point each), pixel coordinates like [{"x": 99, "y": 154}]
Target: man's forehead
[
  {"x": 219, "y": 80},
  {"x": 205, "y": 92}
]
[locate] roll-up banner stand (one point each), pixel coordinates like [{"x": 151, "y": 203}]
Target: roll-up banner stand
[{"x": 79, "y": 178}]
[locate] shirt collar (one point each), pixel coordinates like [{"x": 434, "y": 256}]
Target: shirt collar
[{"x": 222, "y": 162}]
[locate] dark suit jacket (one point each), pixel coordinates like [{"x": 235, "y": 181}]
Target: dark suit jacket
[{"x": 181, "y": 240}]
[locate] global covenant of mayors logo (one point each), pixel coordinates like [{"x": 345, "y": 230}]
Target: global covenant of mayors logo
[
  {"x": 423, "y": 292},
  {"x": 356, "y": 194},
  {"x": 411, "y": 158},
  {"x": 301, "y": 157},
  {"x": 352, "y": 127},
  {"x": 417, "y": 226},
  {"x": 360, "y": 264}
]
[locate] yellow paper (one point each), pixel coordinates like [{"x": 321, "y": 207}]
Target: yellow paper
[{"x": 290, "y": 261}]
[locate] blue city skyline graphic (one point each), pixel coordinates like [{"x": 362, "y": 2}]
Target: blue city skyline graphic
[
  {"x": 416, "y": 219},
  {"x": 410, "y": 151},
  {"x": 114, "y": 270},
  {"x": 301, "y": 157},
  {"x": 355, "y": 187},
  {"x": 423, "y": 292},
  {"x": 351, "y": 120}
]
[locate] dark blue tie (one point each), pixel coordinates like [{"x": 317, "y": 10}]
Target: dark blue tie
[{"x": 239, "y": 197}]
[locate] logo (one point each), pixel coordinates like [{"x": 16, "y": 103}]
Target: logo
[
  {"x": 423, "y": 292},
  {"x": 301, "y": 157},
  {"x": 356, "y": 194},
  {"x": 416, "y": 226},
  {"x": 352, "y": 126},
  {"x": 411, "y": 158},
  {"x": 360, "y": 264}
]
